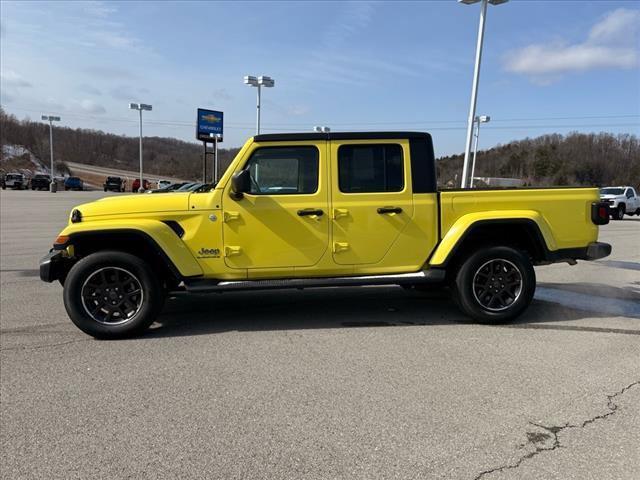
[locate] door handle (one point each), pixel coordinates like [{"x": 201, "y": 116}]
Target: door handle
[
  {"x": 310, "y": 211},
  {"x": 383, "y": 210}
]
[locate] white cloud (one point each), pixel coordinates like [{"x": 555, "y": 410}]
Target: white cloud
[
  {"x": 89, "y": 89},
  {"x": 611, "y": 43},
  {"x": 13, "y": 79},
  {"x": 123, "y": 92},
  {"x": 620, "y": 26},
  {"x": 89, "y": 106}
]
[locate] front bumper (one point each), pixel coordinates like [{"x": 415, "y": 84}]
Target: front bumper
[{"x": 53, "y": 266}]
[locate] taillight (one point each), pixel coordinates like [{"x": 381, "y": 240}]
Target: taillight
[{"x": 600, "y": 213}]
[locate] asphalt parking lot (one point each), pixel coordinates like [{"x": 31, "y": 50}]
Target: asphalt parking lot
[{"x": 362, "y": 383}]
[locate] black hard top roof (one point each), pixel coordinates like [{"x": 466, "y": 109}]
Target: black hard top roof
[{"x": 290, "y": 137}]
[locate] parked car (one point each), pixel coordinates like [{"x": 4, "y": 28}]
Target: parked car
[
  {"x": 135, "y": 185},
  {"x": 622, "y": 200},
  {"x": 73, "y": 183},
  {"x": 40, "y": 182},
  {"x": 16, "y": 181},
  {"x": 164, "y": 184},
  {"x": 320, "y": 210},
  {"x": 171, "y": 188},
  {"x": 114, "y": 184},
  {"x": 190, "y": 187}
]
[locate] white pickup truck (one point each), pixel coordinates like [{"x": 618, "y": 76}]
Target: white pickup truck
[{"x": 622, "y": 200}]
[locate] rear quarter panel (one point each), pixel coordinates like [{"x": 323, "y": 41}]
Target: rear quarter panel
[{"x": 562, "y": 214}]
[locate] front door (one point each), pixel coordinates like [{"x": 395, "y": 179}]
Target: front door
[
  {"x": 283, "y": 221},
  {"x": 371, "y": 200}
]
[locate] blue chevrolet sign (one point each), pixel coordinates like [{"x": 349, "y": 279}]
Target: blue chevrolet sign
[{"x": 209, "y": 123}]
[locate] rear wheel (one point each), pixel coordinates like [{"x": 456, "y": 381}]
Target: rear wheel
[
  {"x": 495, "y": 284},
  {"x": 112, "y": 294}
]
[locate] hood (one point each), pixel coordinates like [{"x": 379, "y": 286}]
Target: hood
[
  {"x": 138, "y": 203},
  {"x": 610, "y": 197}
]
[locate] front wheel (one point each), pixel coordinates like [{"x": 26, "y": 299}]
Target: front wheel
[
  {"x": 112, "y": 294},
  {"x": 618, "y": 214},
  {"x": 495, "y": 284}
]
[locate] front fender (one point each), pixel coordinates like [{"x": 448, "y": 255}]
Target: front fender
[
  {"x": 162, "y": 235},
  {"x": 465, "y": 223}
]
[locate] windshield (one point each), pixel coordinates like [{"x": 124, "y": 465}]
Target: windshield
[
  {"x": 611, "y": 191},
  {"x": 13, "y": 177}
]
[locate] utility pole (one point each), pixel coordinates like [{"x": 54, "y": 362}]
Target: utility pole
[
  {"x": 53, "y": 187},
  {"x": 474, "y": 88},
  {"x": 140, "y": 107}
]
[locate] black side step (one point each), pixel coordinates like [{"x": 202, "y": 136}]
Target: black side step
[{"x": 211, "y": 286}]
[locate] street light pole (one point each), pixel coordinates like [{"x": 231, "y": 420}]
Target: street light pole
[
  {"x": 258, "y": 111},
  {"x": 140, "y": 107},
  {"x": 259, "y": 82},
  {"x": 476, "y": 79},
  {"x": 141, "y": 184},
  {"x": 51, "y": 119},
  {"x": 479, "y": 120}
]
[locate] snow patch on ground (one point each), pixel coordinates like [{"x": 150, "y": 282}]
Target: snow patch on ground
[{"x": 13, "y": 151}]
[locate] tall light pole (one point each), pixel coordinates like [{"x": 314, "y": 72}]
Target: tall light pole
[
  {"x": 140, "y": 107},
  {"x": 51, "y": 118},
  {"x": 476, "y": 78},
  {"x": 261, "y": 81},
  {"x": 479, "y": 120}
]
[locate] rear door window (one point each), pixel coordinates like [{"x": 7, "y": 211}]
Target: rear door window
[{"x": 370, "y": 168}]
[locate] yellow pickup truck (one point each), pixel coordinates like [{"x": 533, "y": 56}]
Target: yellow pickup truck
[{"x": 319, "y": 209}]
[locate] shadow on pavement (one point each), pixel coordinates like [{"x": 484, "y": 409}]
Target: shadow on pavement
[
  {"x": 598, "y": 289},
  {"x": 341, "y": 308},
  {"x": 620, "y": 264}
]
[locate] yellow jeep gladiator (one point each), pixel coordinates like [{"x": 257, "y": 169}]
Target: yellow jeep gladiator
[{"x": 314, "y": 210}]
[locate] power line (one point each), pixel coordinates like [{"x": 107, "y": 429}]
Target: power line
[{"x": 426, "y": 123}]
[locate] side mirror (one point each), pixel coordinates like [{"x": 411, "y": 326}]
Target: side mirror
[{"x": 240, "y": 183}]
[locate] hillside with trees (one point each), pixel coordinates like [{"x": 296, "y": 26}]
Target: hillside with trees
[
  {"x": 162, "y": 156},
  {"x": 549, "y": 160},
  {"x": 574, "y": 159}
]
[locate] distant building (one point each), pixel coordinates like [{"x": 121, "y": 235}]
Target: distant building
[{"x": 498, "y": 182}]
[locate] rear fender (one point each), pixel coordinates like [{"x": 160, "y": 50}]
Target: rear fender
[{"x": 466, "y": 223}]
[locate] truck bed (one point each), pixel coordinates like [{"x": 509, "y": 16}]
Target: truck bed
[{"x": 563, "y": 214}]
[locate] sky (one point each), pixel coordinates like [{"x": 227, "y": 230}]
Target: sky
[{"x": 547, "y": 66}]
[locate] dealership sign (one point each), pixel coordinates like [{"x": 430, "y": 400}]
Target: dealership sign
[{"x": 209, "y": 125}]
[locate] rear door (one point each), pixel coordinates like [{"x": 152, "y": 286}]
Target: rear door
[{"x": 371, "y": 199}]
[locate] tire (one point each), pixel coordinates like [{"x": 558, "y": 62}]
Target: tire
[
  {"x": 619, "y": 212},
  {"x": 94, "y": 314},
  {"x": 638, "y": 212},
  {"x": 499, "y": 263}
]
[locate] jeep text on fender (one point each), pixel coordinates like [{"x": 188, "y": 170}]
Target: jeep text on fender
[{"x": 320, "y": 209}]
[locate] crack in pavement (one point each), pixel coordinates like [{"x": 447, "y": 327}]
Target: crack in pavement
[{"x": 554, "y": 431}]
